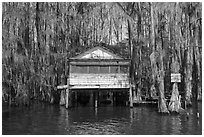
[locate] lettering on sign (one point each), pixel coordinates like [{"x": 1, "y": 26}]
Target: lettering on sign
[{"x": 175, "y": 77}]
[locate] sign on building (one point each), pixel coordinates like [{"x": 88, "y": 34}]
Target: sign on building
[{"x": 175, "y": 77}]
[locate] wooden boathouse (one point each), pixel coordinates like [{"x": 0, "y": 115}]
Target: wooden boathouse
[{"x": 99, "y": 75}]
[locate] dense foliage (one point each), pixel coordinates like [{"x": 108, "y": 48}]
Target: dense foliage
[{"x": 38, "y": 38}]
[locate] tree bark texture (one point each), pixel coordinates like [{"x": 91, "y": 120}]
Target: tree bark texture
[
  {"x": 162, "y": 107},
  {"x": 160, "y": 79},
  {"x": 188, "y": 78},
  {"x": 62, "y": 97},
  {"x": 175, "y": 104}
]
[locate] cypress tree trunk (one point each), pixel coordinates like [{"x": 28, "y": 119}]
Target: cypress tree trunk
[
  {"x": 162, "y": 108},
  {"x": 157, "y": 63},
  {"x": 175, "y": 104},
  {"x": 188, "y": 78},
  {"x": 139, "y": 54},
  {"x": 131, "y": 64},
  {"x": 199, "y": 75},
  {"x": 189, "y": 64},
  {"x": 198, "y": 57},
  {"x": 152, "y": 56}
]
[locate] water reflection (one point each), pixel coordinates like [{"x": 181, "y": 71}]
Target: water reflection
[
  {"x": 48, "y": 119},
  {"x": 176, "y": 125},
  {"x": 164, "y": 124},
  {"x": 131, "y": 115},
  {"x": 96, "y": 111}
]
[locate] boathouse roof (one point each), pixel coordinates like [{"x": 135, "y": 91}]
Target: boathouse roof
[{"x": 98, "y": 53}]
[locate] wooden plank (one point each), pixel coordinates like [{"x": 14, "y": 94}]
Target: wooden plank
[
  {"x": 95, "y": 60},
  {"x": 67, "y": 94},
  {"x": 119, "y": 80},
  {"x": 99, "y": 63},
  {"x": 99, "y": 87},
  {"x": 67, "y": 98},
  {"x": 62, "y": 86},
  {"x": 130, "y": 96}
]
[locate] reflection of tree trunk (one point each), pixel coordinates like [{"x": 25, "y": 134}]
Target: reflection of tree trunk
[
  {"x": 67, "y": 98},
  {"x": 176, "y": 123},
  {"x": 164, "y": 123}
]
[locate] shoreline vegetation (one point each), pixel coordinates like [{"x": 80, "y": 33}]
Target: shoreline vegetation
[{"x": 38, "y": 38}]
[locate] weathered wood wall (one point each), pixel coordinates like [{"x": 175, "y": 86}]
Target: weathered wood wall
[{"x": 78, "y": 80}]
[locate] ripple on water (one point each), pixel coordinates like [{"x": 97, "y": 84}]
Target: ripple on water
[{"x": 46, "y": 120}]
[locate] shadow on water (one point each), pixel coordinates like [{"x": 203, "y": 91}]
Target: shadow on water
[{"x": 48, "y": 119}]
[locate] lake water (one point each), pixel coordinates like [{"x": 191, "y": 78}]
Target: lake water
[{"x": 45, "y": 119}]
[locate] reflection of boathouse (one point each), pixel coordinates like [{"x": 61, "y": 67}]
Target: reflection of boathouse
[{"x": 97, "y": 77}]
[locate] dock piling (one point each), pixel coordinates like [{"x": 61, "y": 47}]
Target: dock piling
[
  {"x": 96, "y": 100},
  {"x": 67, "y": 94},
  {"x": 67, "y": 97},
  {"x": 130, "y": 96}
]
